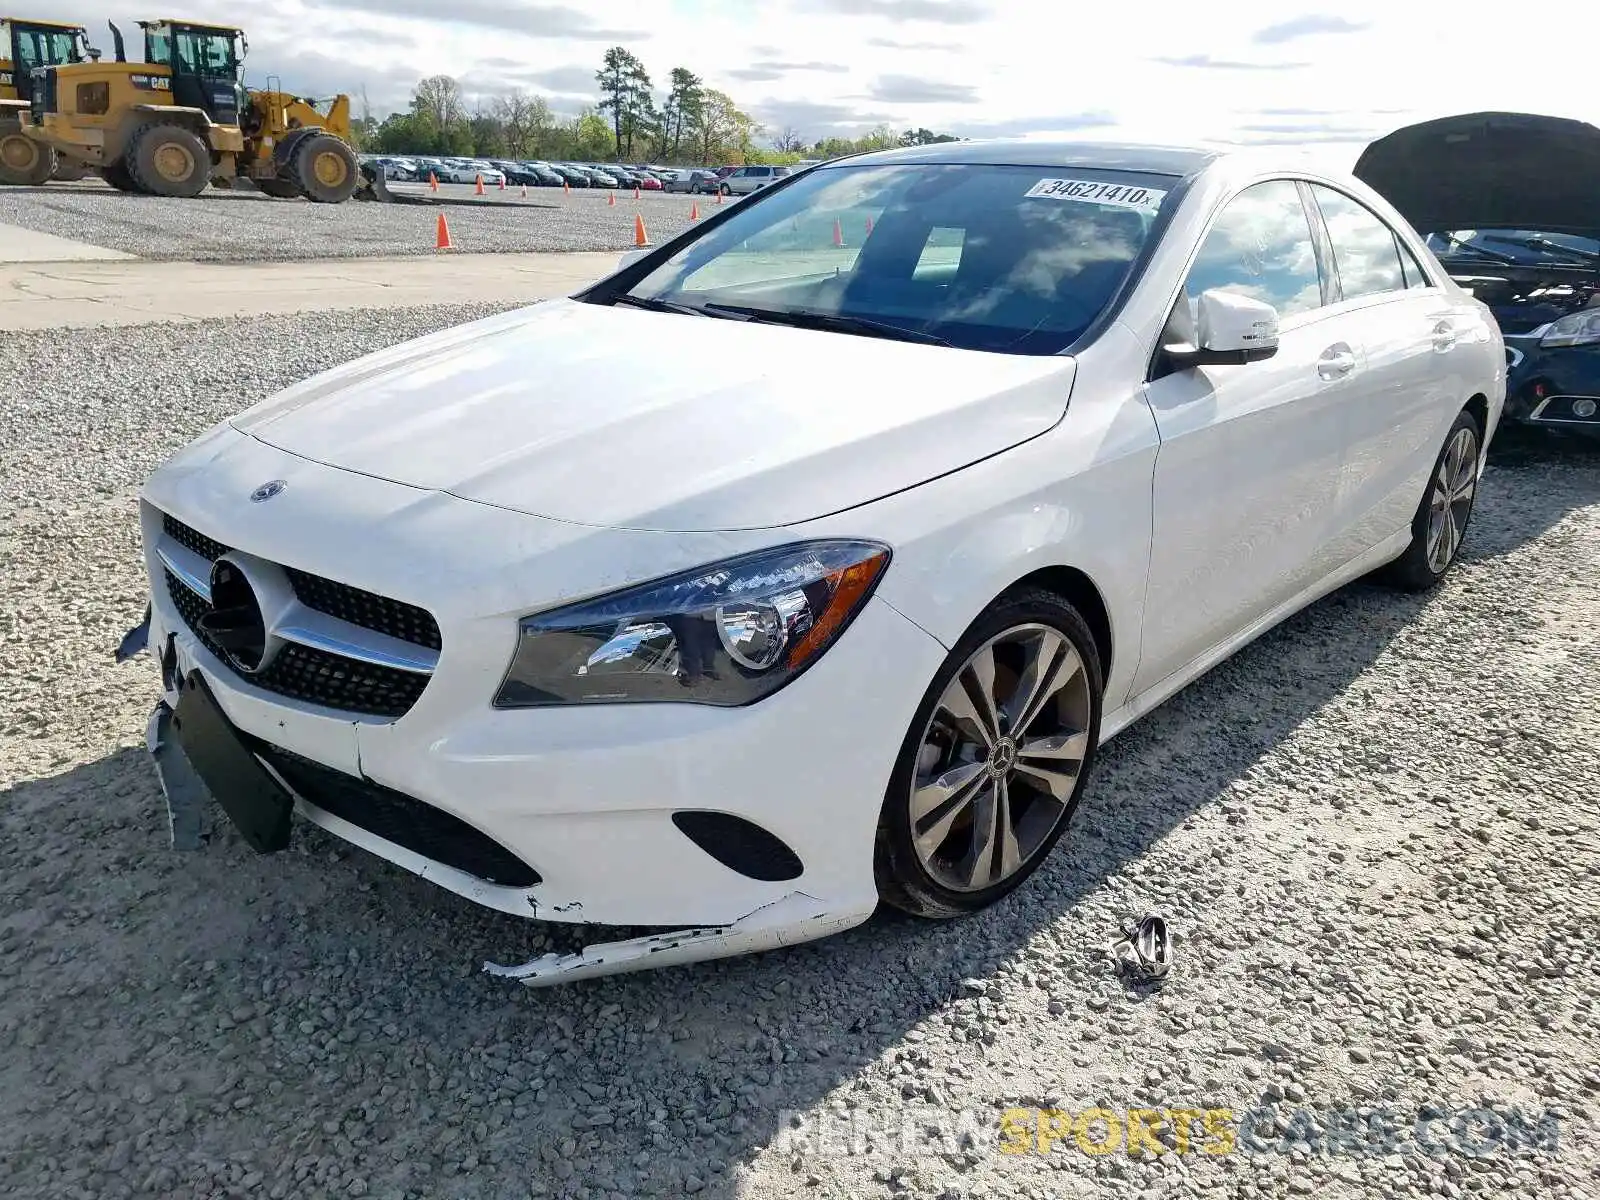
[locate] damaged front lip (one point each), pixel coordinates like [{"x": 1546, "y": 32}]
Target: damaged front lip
[{"x": 795, "y": 918}]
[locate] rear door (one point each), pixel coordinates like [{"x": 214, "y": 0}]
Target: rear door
[
  {"x": 1416, "y": 339},
  {"x": 1250, "y": 455}
]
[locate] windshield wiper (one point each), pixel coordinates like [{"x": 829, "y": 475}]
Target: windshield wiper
[
  {"x": 654, "y": 305},
  {"x": 1546, "y": 245},
  {"x": 834, "y": 322}
]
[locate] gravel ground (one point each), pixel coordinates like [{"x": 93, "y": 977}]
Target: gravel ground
[
  {"x": 247, "y": 227},
  {"x": 1374, "y": 832}
]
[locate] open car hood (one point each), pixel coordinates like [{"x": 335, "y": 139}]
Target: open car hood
[{"x": 1490, "y": 170}]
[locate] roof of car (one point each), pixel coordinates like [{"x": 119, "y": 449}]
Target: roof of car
[{"x": 1038, "y": 152}]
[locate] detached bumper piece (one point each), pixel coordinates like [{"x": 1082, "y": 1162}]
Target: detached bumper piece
[
  {"x": 200, "y": 756},
  {"x": 787, "y": 922}
]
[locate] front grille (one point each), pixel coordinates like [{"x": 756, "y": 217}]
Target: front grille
[
  {"x": 366, "y": 609},
  {"x": 312, "y": 675},
  {"x": 401, "y": 819},
  {"x": 192, "y": 539}
]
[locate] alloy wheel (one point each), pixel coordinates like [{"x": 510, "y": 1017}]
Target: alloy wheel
[
  {"x": 1450, "y": 502},
  {"x": 1000, "y": 758}
]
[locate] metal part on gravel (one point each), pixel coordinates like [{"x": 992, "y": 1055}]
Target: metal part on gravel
[
  {"x": 229, "y": 226},
  {"x": 1376, "y": 829}
]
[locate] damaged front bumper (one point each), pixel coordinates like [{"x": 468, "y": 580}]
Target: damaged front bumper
[{"x": 258, "y": 801}]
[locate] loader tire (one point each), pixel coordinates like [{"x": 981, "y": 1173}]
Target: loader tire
[
  {"x": 168, "y": 160},
  {"x": 69, "y": 171},
  {"x": 279, "y": 189},
  {"x": 325, "y": 169},
  {"x": 116, "y": 174},
  {"x": 23, "y": 161}
]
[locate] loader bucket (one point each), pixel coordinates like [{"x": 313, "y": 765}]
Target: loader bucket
[{"x": 373, "y": 185}]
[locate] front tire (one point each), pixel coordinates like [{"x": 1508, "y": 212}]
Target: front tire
[
  {"x": 23, "y": 161},
  {"x": 325, "y": 169},
  {"x": 168, "y": 160},
  {"x": 116, "y": 174},
  {"x": 991, "y": 770},
  {"x": 1440, "y": 523}
]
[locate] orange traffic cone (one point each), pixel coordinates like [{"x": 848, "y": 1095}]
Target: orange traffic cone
[
  {"x": 502, "y": 183},
  {"x": 636, "y": 192},
  {"x": 480, "y": 185},
  {"x": 433, "y": 181},
  {"x": 838, "y": 233},
  {"x": 524, "y": 191},
  {"x": 611, "y": 199},
  {"x": 640, "y": 238},
  {"x": 719, "y": 197},
  {"x": 694, "y": 211},
  {"x": 566, "y": 187},
  {"x": 442, "y": 237}
]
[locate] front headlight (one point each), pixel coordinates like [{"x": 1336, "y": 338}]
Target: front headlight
[
  {"x": 727, "y": 634},
  {"x": 1575, "y": 329}
]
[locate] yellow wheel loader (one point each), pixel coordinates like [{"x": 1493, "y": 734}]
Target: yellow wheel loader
[
  {"x": 26, "y": 45},
  {"x": 182, "y": 119}
]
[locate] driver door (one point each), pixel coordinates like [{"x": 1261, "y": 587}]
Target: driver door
[
  {"x": 203, "y": 75},
  {"x": 1248, "y": 471}
]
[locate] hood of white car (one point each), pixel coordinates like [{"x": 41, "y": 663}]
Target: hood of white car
[{"x": 626, "y": 418}]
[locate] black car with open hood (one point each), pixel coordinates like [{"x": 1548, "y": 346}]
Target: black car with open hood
[{"x": 1510, "y": 205}]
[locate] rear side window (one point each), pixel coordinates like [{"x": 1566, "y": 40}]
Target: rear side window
[
  {"x": 1416, "y": 277},
  {"x": 1365, "y": 251},
  {"x": 1260, "y": 246}
]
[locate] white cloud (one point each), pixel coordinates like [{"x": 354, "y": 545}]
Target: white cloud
[{"x": 1332, "y": 77}]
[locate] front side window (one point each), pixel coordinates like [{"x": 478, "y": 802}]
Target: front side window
[
  {"x": 38, "y": 48},
  {"x": 1017, "y": 260},
  {"x": 1365, "y": 251},
  {"x": 1260, "y": 246}
]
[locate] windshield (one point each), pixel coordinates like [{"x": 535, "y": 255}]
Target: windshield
[
  {"x": 48, "y": 48},
  {"x": 1017, "y": 260},
  {"x": 1520, "y": 247}
]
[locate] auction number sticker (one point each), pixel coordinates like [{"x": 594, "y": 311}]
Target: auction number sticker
[{"x": 1118, "y": 195}]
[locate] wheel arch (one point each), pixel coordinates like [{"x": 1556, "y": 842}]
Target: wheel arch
[
  {"x": 1478, "y": 406},
  {"x": 1077, "y": 589}
]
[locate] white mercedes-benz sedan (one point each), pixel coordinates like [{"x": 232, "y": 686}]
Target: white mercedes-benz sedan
[{"x": 837, "y": 535}]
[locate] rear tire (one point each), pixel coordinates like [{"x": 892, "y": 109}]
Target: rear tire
[
  {"x": 962, "y": 826},
  {"x": 278, "y": 189},
  {"x": 168, "y": 160},
  {"x": 116, "y": 174},
  {"x": 23, "y": 161},
  {"x": 1440, "y": 524},
  {"x": 325, "y": 169}
]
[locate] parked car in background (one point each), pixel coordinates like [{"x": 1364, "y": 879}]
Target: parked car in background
[
  {"x": 515, "y": 172},
  {"x": 1510, "y": 203},
  {"x": 544, "y": 173},
  {"x": 739, "y": 656},
  {"x": 469, "y": 171},
  {"x": 745, "y": 180},
  {"x": 571, "y": 175},
  {"x": 697, "y": 179}
]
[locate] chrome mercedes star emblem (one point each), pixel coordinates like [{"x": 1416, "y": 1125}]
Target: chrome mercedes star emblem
[{"x": 267, "y": 490}]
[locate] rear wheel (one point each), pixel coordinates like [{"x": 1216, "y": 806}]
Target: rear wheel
[
  {"x": 281, "y": 189},
  {"x": 23, "y": 161},
  {"x": 991, "y": 769},
  {"x": 1440, "y": 523},
  {"x": 324, "y": 169},
  {"x": 168, "y": 160},
  {"x": 116, "y": 174}
]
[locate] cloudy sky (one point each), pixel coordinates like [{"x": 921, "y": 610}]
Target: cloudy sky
[{"x": 1221, "y": 72}]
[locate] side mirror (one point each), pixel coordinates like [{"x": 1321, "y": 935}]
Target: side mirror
[
  {"x": 1231, "y": 330},
  {"x": 631, "y": 257}
]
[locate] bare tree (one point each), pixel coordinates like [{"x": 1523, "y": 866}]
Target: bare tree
[
  {"x": 789, "y": 141},
  {"x": 438, "y": 99},
  {"x": 514, "y": 111}
]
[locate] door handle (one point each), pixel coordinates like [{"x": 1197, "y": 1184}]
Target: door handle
[
  {"x": 1444, "y": 336},
  {"x": 1337, "y": 361}
]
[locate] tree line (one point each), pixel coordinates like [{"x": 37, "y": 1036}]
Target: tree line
[{"x": 690, "y": 123}]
